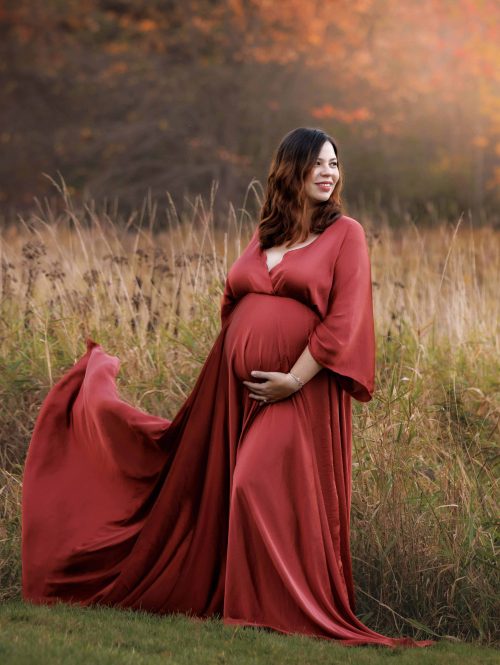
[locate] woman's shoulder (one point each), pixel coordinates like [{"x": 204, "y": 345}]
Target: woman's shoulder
[
  {"x": 350, "y": 222},
  {"x": 351, "y": 227}
]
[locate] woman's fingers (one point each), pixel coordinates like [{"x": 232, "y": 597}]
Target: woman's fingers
[{"x": 256, "y": 387}]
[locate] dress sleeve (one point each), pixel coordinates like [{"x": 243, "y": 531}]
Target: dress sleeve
[{"x": 344, "y": 340}]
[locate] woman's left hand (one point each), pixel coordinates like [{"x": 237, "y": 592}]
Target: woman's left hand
[{"x": 278, "y": 386}]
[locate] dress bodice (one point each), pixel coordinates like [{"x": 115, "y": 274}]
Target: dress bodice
[
  {"x": 274, "y": 255},
  {"x": 304, "y": 273},
  {"x": 332, "y": 277}
]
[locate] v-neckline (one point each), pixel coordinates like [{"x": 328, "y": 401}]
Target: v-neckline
[{"x": 292, "y": 249}]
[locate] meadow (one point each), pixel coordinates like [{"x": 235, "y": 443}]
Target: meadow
[{"x": 425, "y": 457}]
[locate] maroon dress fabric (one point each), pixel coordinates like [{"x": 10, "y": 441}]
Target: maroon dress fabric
[{"x": 234, "y": 507}]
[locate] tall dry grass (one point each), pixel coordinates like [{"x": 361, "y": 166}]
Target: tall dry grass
[{"x": 425, "y": 460}]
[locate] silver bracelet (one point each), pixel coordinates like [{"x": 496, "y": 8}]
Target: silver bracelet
[{"x": 299, "y": 381}]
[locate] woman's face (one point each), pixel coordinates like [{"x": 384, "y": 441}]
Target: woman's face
[{"x": 325, "y": 170}]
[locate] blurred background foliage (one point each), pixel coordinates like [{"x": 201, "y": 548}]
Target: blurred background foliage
[{"x": 129, "y": 98}]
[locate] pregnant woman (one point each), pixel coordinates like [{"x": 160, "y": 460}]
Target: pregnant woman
[{"x": 240, "y": 505}]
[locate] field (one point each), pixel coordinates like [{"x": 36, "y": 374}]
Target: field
[{"x": 425, "y": 459}]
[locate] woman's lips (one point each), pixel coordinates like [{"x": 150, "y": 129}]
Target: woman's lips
[{"x": 324, "y": 187}]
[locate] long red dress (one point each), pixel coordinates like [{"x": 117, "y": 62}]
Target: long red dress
[{"x": 234, "y": 507}]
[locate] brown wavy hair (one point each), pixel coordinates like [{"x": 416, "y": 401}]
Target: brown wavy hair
[{"x": 282, "y": 216}]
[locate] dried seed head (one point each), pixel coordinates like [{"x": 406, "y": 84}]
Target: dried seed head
[
  {"x": 91, "y": 277},
  {"x": 33, "y": 250},
  {"x": 142, "y": 255},
  {"x": 55, "y": 272}
]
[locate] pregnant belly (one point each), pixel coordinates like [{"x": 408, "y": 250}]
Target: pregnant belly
[{"x": 268, "y": 333}]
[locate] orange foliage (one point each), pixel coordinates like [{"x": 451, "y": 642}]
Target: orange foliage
[
  {"x": 115, "y": 48},
  {"x": 328, "y": 111},
  {"x": 116, "y": 68},
  {"x": 389, "y": 68},
  {"x": 147, "y": 25}
]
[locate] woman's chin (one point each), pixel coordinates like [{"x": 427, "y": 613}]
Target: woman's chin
[{"x": 319, "y": 200}]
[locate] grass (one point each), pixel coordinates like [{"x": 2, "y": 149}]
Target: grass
[
  {"x": 424, "y": 534},
  {"x": 66, "y": 634}
]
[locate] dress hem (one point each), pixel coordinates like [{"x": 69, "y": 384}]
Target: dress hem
[{"x": 405, "y": 641}]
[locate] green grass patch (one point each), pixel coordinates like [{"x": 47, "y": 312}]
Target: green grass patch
[{"x": 68, "y": 634}]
